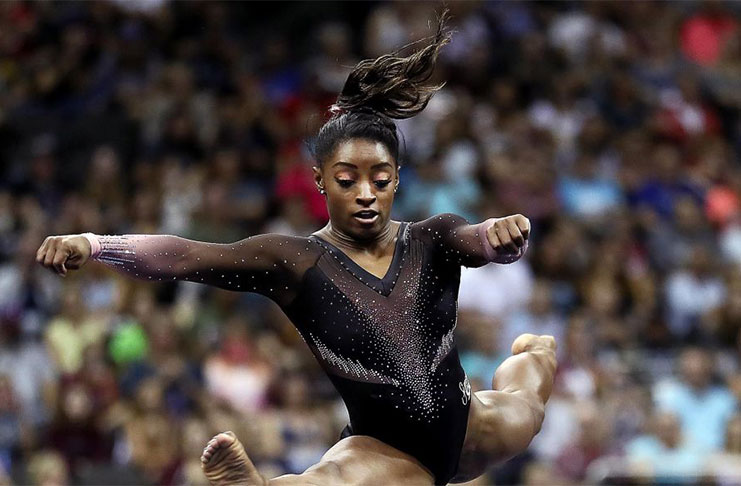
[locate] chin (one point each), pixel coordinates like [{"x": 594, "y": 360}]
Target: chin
[{"x": 367, "y": 231}]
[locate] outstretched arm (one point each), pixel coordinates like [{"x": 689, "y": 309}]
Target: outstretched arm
[
  {"x": 498, "y": 240},
  {"x": 268, "y": 264}
]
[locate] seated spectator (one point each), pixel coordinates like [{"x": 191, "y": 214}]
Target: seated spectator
[
  {"x": 665, "y": 184},
  {"x": 591, "y": 443},
  {"x": 237, "y": 374},
  {"x": 68, "y": 334},
  {"x": 671, "y": 243},
  {"x": 702, "y": 408},
  {"x": 664, "y": 451},
  {"x": 75, "y": 432},
  {"x": 586, "y": 196},
  {"x": 692, "y": 293}
]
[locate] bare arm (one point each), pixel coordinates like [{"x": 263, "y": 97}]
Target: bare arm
[
  {"x": 267, "y": 264},
  {"x": 521, "y": 388},
  {"x": 497, "y": 240}
]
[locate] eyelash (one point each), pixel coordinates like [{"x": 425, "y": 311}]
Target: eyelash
[{"x": 347, "y": 183}]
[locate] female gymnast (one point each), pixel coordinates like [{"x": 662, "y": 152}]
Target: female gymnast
[{"x": 374, "y": 299}]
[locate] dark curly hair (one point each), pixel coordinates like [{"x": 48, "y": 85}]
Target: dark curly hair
[{"x": 379, "y": 90}]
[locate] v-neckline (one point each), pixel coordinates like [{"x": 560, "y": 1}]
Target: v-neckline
[{"x": 383, "y": 284}]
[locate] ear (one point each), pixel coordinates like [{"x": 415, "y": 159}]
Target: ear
[
  {"x": 398, "y": 179},
  {"x": 318, "y": 179}
]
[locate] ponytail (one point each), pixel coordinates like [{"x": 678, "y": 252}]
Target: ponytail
[
  {"x": 380, "y": 90},
  {"x": 395, "y": 86}
]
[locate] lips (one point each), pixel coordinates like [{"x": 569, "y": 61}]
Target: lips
[{"x": 366, "y": 216}]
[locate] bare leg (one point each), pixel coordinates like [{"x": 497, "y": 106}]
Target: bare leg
[
  {"x": 357, "y": 460},
  {"x": 503, "y": 421}
]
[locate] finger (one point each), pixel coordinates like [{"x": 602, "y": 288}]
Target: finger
[
  {"x": 524, "y": 225},
  {"x": 493, "y": 239},
  {"x": 49, "y": 257},
  {"x": 42, "y": 250},
  {"x": 515, "y": 234},
  {"x": 59, "y": 258},
  {"x": 504, "y": 237}
]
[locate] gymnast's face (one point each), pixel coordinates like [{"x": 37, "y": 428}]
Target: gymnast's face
[{"x": 359, "y": 178}]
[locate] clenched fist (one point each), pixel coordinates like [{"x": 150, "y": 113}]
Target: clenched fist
[
  {"x": 62, "y": 253},
  {"x": 508, "y": 235}
]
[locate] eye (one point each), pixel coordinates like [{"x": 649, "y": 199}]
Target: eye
[
  {"x": 345, "y": 182},
  {"x": 383, "y": 183}
]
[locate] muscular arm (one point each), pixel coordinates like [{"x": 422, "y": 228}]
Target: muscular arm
[
  {"x": 497, "y": 240},
  {"x": 268, "y": 264},
  {"x": 521, "y": 388}
]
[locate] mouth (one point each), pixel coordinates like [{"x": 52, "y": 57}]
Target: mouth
[{"x": 366, "y": 216}]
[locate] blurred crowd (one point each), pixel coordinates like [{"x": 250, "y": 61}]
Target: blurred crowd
[{"x": 614, "y": 126}]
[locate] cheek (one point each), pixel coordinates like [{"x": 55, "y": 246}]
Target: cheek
[
  {"x": 386, "y": 198},
  {"x": 338, "y": 201}
]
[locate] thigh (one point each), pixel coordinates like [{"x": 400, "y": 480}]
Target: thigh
[
  {"x": 473, "y": 461},
  {"x": 365, "y": 460},
  {"x": 360, "y": 460},
  {"x": 500, "y": 426}
]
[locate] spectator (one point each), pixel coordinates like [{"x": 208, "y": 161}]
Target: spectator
[
  {"x": 702, "y": 408},
  {"x": 590, "y": 444},
  {"x": 692, "y": 293},
  {"x": 665, "y": 451}
]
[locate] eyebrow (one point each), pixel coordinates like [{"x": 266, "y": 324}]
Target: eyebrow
[{"x": 353, "y": 166}]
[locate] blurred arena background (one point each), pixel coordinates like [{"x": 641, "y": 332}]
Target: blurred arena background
[{"x": 614, "y": 126}]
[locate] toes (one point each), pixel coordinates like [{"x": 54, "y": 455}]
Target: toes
[
  {"x": 224, "y": 438},
  {"x": 209, "y": 450}
]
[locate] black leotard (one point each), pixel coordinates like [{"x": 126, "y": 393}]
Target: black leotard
[{"x": 386, "y": 343}]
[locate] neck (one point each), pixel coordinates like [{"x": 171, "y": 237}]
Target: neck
[{"x": 377, "y": 242}]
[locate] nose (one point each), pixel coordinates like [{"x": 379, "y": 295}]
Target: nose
[{"x": 365, "y": 197}]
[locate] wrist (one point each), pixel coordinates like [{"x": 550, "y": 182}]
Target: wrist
[{"x": 95, "y": 246}]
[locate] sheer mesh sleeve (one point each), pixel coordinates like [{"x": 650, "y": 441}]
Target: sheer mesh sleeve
[
  {"x": 461, "y": 243},
  {"x": 270, "y": 264}
]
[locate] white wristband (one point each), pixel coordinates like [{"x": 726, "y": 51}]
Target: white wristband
[{"x": 95, "y": 247}]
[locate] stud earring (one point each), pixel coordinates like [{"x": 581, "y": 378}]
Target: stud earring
[{"x": 322, "y": 191}]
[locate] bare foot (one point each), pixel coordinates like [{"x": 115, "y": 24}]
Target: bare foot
[{"x": 225, "y": 463}]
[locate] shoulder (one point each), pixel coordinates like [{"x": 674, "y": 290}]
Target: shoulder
[
  {"x": 437, "y": 225},
  {"x": 277, "y": 241},
  {"x": 284, "y": 250}
]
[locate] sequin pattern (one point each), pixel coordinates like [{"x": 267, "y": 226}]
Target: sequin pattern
[
  {"x": 398, "y": 335},
  {"x": 350, "y": 367}
]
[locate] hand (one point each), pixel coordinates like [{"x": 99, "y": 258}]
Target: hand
[
  {"x": 62, "y": 253},
  {"x": 508, "y": 235}
]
